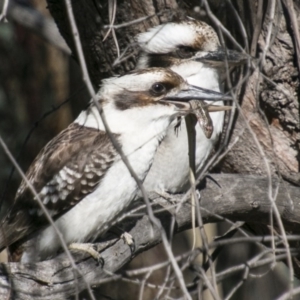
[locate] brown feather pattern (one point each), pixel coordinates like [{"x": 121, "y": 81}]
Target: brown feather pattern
[{"x": 66, "y": 170}]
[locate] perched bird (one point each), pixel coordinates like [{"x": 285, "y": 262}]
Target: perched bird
[
  {"x": 80, "y": 177},
  {"x": 191, "y": 49}
]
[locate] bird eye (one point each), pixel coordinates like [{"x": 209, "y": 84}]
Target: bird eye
[
  {"x": 158, "y": 89},
  {"x": 185, "y": 51}
]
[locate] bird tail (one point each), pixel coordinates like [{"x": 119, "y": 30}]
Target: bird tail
[{"x": 13, "y": 228}]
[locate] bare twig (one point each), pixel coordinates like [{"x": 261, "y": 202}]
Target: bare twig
[
  {"x": 112, "y": 9},
  {"x": 153, "y": 219},
  {"x": 257, "y": 29},
  {"x": 4, "y": 10},
  {"x": 234, "y": 200},
  {"x": 240, "y": 25},
  {"x": 271, "y": 15},
  {"x": 47, "y": 215},
  {"x": 133, "y": 22},
  {"x": 289, "y": 294}
]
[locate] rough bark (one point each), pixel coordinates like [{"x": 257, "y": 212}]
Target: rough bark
[
  {"x": 54, "y": 279},
  {"x": 91, "y": 16},
  {"x": 272, "y": 115}
]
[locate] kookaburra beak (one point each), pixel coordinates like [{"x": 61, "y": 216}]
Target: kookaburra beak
[
  {"x": 219, "y": 57},
  {"x": 214, "y": 108},
  {"x": 192, "y": 92}
]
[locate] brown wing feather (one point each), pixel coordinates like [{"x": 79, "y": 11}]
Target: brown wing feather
[{"x": 66, "y": 170}]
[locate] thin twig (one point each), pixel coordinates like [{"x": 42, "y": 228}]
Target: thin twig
[
  {"x": 289, "y": 294},
  {"x": 190, "y": 123},
  {"x": 33, "y": 20},
  {"x": 240, "y": 25},
  {"x": 221, "y": 26},
  {"x": 133, "y": 22},
  {"x": 112, "y": 10},
  {"x": 257, "y": 29},
  {"x": 4, "y": 10},
  {"x": 47, "y": 215},
  {"x": 144, "y": 281},
  {"x": 153, "y": 219},
  {"x": 238, "y": 284},
  {"x": 206, "y": 248},
  {"x": 272, "y": 10},
  {"x": 33, "y": 127}
]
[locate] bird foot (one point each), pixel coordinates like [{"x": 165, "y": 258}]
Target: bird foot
[
  {"x": 125, "y": 236},
  {"x": 129, "y": 240},
  {"x": 89, "y": 248}
]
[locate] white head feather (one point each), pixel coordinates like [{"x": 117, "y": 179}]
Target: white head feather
[{"x": 166, "y": 37}]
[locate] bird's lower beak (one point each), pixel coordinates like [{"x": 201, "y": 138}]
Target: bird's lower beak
[
  {"x": 192, "y": 92},
  {"x": 215, "y": 108},
  {"x": 219, "y": 57}
]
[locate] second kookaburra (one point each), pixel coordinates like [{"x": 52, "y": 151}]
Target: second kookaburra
[
  {"x": 191, "y": 49},
  {"x": 79, "y": 175}
]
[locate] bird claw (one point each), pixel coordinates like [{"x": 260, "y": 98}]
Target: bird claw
[
  {"x": 198, "y": 194},
  {"x": 89, "y": 248},
  {"x": 100, "y": 261},
  {"x": 129, "y": 240}
]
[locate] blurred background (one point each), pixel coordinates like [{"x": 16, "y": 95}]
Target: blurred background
[{"x": 41, "y": 92}]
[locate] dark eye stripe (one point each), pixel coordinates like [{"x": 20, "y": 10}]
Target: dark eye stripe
[{"x": 185, "y": 51}]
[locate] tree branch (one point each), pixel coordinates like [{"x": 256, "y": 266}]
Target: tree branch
[{"x": 240, "y": 197}]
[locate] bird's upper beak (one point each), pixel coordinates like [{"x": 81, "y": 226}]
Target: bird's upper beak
[
  {"x": 219, "y": 57},
  {"x": 192, "y": 92}
]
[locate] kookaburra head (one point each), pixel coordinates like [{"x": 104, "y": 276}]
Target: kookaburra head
[
  {"x": 169, "y": 44},
  {"x": 79, "y": 176},
  {"x": 151, "y": 87},
  {"x": 192, "y": 49},
  {"x": 146, "y": 96}
]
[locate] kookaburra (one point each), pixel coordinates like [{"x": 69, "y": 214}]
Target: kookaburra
[
  {"x": 191, "y": 49},
  {"x": 80, "y": 177}
]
